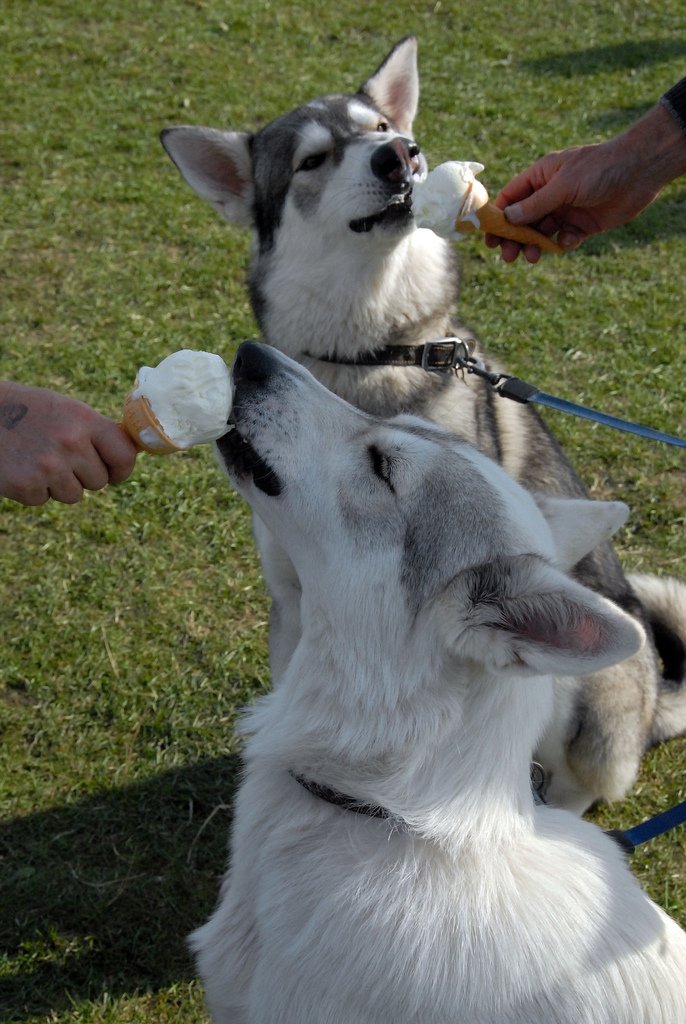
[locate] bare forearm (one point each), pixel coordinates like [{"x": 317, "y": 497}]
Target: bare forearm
[
  {"x": 656, "y": 144},
  {"x": 578, "y": 192}
]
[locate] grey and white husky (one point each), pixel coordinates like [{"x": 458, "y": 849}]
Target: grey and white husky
[{"x": 342, "y": 280}]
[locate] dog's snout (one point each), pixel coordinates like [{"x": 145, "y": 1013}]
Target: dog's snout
[
  {"x": 254, "y": 362},
  {"x": 396, "y": 161}
]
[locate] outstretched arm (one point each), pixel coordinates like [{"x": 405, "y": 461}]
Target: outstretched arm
[{"x": 581, "y": 191}]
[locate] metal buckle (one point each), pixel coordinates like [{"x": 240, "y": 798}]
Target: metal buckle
[
  {"x": 458, "y": 350},
  {"x": 539, "y": 782}
]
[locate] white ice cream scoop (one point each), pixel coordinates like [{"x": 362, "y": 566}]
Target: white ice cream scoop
[
  {"x": 453, "y": 203},
  {"x": 183, "y": 401}
]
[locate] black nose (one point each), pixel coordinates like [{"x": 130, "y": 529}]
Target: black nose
[
  {"x": 396, "y": 161},
  {"x": 254, "y": 362}
]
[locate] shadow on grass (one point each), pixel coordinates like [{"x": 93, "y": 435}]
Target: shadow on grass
[
  {"x": 617, "y": 119},
  {"x": 98, "y": 896},
  {"x": 630, "y": 54}
]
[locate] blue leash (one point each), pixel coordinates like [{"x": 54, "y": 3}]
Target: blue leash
[
  {"x": 650, "y": 829},
  {"x": 519, "y": 391}
]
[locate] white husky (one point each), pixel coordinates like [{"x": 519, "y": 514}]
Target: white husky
[{"x": 388, "y": 863}]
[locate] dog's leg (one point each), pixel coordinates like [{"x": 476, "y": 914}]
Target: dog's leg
[
  {"x": 592, "y": 749},
  {"x": 613, "y": 728},
  {"x": 285, "y": 592}
]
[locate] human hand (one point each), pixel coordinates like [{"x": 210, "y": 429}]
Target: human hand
[
  {"x": 581, "y": 191},
  {"x": 52, "y": 446},
  {"x": 573, "y": 194}
]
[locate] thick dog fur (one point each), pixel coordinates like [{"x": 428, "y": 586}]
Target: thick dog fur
[
  {"x": 339, "y": 270},
  {"x": 421, "y": 683}
]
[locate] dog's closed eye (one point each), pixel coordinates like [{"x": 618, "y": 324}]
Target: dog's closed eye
[
  {"x": 310, "y": 163},
  {"x": 382, "y": 465}
]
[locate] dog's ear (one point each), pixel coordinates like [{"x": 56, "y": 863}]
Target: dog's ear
[
  {"x": 579, "y": 525},
  {"x": 217, "y": 165},
  {"x": 521, "y": 614},
  {"x": 394, "y": 86}
]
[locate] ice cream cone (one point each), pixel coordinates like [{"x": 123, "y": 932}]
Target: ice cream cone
[
  {"x": 493, "y": 220},
  {"x": 143, "y": 427}
]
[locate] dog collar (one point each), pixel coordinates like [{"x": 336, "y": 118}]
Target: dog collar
[
  {"x": 442, "y": 354},
  {"x": 346, "y": 803},
  {"x": 538, "y": 776}
]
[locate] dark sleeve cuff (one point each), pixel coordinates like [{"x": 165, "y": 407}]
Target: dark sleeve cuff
[{"x": 675, "y": 102}]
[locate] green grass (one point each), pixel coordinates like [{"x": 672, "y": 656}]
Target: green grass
[{"x": 133, "y": 625}]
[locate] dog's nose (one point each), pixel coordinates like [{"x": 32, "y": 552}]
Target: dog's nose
[
  {"x": 254, "y": 362},
  {"x": 397, "y": 161}
]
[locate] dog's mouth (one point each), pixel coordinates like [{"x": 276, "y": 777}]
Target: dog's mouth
[
  {"x": 397, "y": 211},
  {"x": 244, "y": 462}
]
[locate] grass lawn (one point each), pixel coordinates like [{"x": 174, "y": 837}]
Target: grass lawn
[{"x": 133, "y": 625}]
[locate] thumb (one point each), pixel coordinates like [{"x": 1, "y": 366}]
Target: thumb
[{"x": 535, "y": 207}]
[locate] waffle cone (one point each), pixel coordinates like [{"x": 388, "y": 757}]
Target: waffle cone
[
  {"x": 493, "y": 220},
  {"x": 139, "y": 417}
]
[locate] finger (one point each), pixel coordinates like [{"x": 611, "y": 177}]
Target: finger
[
  {"x": 518, "y": 188},
  {"x": 571, "y": 238},
  {"x": 510, "y": 250},
  {"x": 67, "y": 489},
  {"x": 532, "y": 253},
  {"x": 55, "y": 471},
  {"x": 538, "y": 205},
  {"x": 28, "y": 494},
  {"x": 91, "y": 472},
  {"x": 116, "y": 450},
  {"x": 548, "y": 226},
  {"x": 40, "y": 478}
]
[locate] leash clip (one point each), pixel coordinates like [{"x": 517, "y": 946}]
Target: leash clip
[
  {"x": 470, "y": 364},
  {"x": 539, "y": 780}
]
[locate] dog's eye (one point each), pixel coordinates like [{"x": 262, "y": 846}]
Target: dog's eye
[
  {"x": 382, "y": 126},
  {"x": 312, "y": 162},
  {"x": 381, "y": 465}
]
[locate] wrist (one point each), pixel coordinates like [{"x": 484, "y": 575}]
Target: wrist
[
  {"x": 674, "y": 101},
  {"x": 658, "y": 144}
]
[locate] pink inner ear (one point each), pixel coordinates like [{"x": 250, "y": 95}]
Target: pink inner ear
[
  {"x": 573, "y": 634},
  {"x": 590, "y": 636},
  {"x": 223, "y": 171},
  {"x": 395, "y": 102}
]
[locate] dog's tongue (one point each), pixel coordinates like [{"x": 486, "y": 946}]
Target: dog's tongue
[{"x": 183, "y": 401}]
